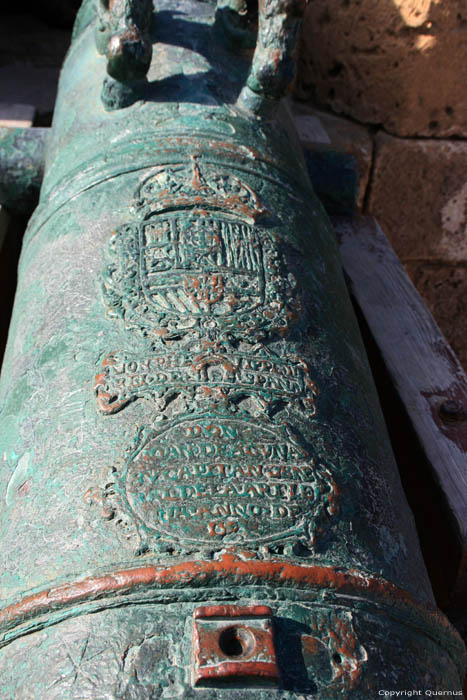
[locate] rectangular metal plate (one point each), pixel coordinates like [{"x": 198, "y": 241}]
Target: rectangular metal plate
[{"x": 234, "y": 645}]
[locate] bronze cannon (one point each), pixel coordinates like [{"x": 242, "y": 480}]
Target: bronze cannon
[{"x": 199, "y": 498}]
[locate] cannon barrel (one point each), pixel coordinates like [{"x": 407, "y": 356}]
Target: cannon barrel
[{"x": 198, "y": 492}]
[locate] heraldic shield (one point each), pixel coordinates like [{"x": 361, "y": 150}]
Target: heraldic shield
[
  {"x": 200, "y": 265},
  {"x": 199, "y": 256}
]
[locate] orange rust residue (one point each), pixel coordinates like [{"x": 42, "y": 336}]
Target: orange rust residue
[
  {"x": 107, "y": 402},
  {"x": 185, "y": 573},
  {"x": 345, "y": 644},
  {"x": 310, "y": 644},
  {"x": 95, "y": 496},
  {"x": 248, "y": 669},
  {"x": 233, "y": 611},
  {"x": 203, "y": 362},
  {"x": 250, "y": 626},
  {"x": 25, "y": 487}
]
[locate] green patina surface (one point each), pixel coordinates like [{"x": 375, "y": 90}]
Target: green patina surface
[
  {"x": 21, "y": 167},
  {"x": 185, "y": 386}
]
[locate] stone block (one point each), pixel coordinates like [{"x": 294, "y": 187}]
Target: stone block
[
  {"x": 324, "y": 132},
  {"x": 399, "y": 63},
  {"x": 444, "y": 290},
  {"x": 419, "y": 196}
]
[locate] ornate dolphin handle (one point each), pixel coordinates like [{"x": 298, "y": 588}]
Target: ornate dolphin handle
[
  {"x": 123, "y": 35},
  {"x": 273, "y": 66}
]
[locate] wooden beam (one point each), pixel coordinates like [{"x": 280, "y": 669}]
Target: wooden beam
[
  {"x": 16, "y": 115},
  {"x": 423, "y": 367}
]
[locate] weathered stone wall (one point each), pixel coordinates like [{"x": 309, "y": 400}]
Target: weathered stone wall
[
  {"x": 419, "y": 194},
  {"x": 398, "y": 63},
  {"x": 400, "y": 68}
]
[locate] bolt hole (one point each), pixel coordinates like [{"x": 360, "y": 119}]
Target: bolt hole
[
  {"x": 337, "y": 658},
  {"x": 236, "y": 641},
  {"x": 452, "y": 411}
]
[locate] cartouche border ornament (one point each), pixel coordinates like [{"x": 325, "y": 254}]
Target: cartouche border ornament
[
  {"x": 207, "y": 339},
  {"x": 115, "y": 500}
]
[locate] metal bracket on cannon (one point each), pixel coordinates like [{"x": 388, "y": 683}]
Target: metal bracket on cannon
[
  {"x": 234, "y": 645},
  {"x": 124, "y": 36}
]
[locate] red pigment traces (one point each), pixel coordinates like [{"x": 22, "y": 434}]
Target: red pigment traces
[
  {"x": 105, "y": 400},
  {"x": 230, "y": 568},
  {"x": 251, "y": 669},
  {"x": 233, "y": 611},
  {"x": 250, "y": 626}
]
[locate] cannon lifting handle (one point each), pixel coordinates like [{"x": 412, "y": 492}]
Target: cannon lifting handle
[{"x": 123, "y": 35}]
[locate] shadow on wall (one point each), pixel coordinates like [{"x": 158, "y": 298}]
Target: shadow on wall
[{"x": 397, "y": 63}]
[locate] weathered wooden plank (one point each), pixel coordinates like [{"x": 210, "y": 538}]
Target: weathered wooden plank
[
  {"x": 16, "y": 115},
  {"x": 424, "y": 369}
]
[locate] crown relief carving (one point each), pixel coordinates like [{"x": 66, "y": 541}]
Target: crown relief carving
[{"x": 190, "y": 186}]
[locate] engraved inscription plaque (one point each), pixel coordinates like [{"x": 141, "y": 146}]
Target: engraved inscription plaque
[
  {"x": 208, "y": 288},
  {"x": 268, "y": 379},
  {"x": 224, "y": 479}
]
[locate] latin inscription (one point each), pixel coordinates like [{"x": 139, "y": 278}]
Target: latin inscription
[
  {"x": 269, "y": 378},
  {"x": 208, "y": 288},
  {"x": 225, "y": 479}
]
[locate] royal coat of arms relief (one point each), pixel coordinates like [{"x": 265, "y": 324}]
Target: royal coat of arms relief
[{"x": 205, "y": 284}]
